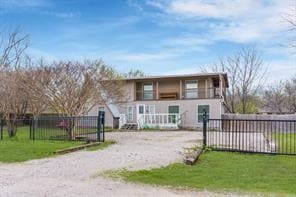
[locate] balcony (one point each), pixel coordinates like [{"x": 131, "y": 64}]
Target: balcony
[{"x": 201, "y": 93}]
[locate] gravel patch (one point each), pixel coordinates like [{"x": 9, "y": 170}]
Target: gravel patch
[{"x": 74, "y": 174}]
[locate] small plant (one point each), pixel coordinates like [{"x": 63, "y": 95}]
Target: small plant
[
  {"x": 146, "y": 127},
  {"x": 207, "y": 148}
]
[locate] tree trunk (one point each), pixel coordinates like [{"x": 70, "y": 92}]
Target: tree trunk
[{"x": 11, "y": 127}]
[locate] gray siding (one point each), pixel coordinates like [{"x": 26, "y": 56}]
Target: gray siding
[{"x": 186, "y": 107}]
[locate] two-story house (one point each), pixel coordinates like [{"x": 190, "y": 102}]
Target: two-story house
[{"x": 170, "y": 101}]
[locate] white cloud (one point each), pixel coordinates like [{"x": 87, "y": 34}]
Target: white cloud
[
  {"x": 212, "y": 9},
  {"x": 21, "y": 3},
  {"x": 281, "y": 69},
  {"x": 186, "y": 70},
  {"x": 167, "y": 49},
  {"x": 139, "y": 57},
  {"x": 232, "y": 20},
  {"x": 187, "y": 42},
  {"x": 64, "y": 15}
]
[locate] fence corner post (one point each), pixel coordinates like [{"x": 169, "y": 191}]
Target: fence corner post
[
  {"x": 100, "y": 126},
  {"x": 204, "y": 128}
]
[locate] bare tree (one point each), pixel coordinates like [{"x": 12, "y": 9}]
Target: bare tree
[
  {"x": 12, "y": 48},
  {"x": 275, "y": 99},
  {"x": 13, "y": 100},
  {"x": 34, "y": 80},
  {"x": 290, "y": 92},
  {"x": 71, "y": 88},
  {"x": 281, "y": 98},
  {"x": 290, "y": 18},
  {"x": 228, "y": 66},
  {"x": 74, "y": 88},
  {"x": 246, "y": 74},
  {"x": 251, "y": 75},
  {"x": 134, "y": 73}
]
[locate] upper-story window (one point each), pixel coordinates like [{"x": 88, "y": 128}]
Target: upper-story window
[
  {"x": 148, "y": 91},
  {"x": 191, "y": 89}
]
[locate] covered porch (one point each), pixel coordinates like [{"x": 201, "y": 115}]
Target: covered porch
[{"x": 146, "y": 117}]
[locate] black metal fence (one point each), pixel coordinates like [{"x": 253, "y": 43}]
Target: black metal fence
[
  {"x": 256, "y": 136},
  {"x": 85, "y": 128}
]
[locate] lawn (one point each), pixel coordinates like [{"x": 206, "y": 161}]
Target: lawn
[
  {"x": 285, "y": 142},
  {"x": 222, "y": 171},
  {"x": 21, "y": 148}
]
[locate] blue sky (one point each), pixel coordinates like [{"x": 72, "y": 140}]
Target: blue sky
[{"x": 156, "y": 36}]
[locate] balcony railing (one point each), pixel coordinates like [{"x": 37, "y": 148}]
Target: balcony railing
[
  {"x": 147, "y": 95},
  {"x": 210, "y": 93}
]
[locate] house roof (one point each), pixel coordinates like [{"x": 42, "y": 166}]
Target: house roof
[{"x": 182, "y": 76}]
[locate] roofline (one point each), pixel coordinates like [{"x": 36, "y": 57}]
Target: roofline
[
  {"x": 181, "y": 76},
  {"x": 176, "y": 76}
]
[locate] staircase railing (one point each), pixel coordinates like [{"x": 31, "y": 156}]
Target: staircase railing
[
  {"x": 181, "y": 119},
  {"x": 122, "y": 120}
]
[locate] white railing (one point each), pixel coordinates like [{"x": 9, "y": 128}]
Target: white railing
[
  {"x": 159, "y": 120},
  {"x": 122, "y": 120}
]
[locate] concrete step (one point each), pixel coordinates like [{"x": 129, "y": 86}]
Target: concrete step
[{"x": 129, "y": 126}]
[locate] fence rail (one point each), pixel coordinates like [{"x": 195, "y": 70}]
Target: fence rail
[
  {"x": 258, "y": 136},
  {"x": 85, "y": 128}
]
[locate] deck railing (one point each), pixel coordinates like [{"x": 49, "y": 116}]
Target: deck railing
[{"x": 166, "y": 120}]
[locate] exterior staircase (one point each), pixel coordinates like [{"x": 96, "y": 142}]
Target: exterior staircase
[{"x": 129, "y": 126}]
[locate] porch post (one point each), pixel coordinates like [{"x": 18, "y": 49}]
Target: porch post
[
  {"x": 206, "y": 85},
  {"x": 157, "y": 95},
  {"x": 135, "y": 91},
  {"x": 180, "y": 94},
  {"x": 221, "y": 85}
]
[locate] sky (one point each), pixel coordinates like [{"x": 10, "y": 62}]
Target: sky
[{"x": 156, "y": 36}]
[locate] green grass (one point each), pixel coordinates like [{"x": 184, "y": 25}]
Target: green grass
[
  {"x": 285, "y": 142},
  {"x": 221, "y": 171},
  {"x": 21, "y": 148}
]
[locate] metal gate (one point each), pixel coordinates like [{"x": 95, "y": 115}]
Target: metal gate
[
  {"x": 84, "y": 128},
  {"x": 253, "y": 136}
]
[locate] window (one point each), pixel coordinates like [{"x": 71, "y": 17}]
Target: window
[
  {"x": 148, "y": 91},
  {"x": 101, "y": 108},
  {"x": 141, "y": 109},
  {"x": 200, "y": 112},
  {"x": 150, "y": 109},
  {"x": 173, "y": 109},
  {"x": 130, "y": 112},
  {"x": 191, "y": 89}
]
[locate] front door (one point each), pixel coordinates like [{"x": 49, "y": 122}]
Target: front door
[
  {"x": 140, "y": 110},
  {"x": 173, "y": 109}
]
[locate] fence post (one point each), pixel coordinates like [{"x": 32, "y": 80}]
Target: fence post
[
  {"x": 1, "y": 129},
  {"x": 100, "y": 126},
  {"x": 204, "y": 128},
  {"x": 33, "y": 128},
  {"x": 31, "y": 120}
]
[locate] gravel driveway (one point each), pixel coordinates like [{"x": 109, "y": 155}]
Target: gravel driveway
[{"x": 75, "y": 174}]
